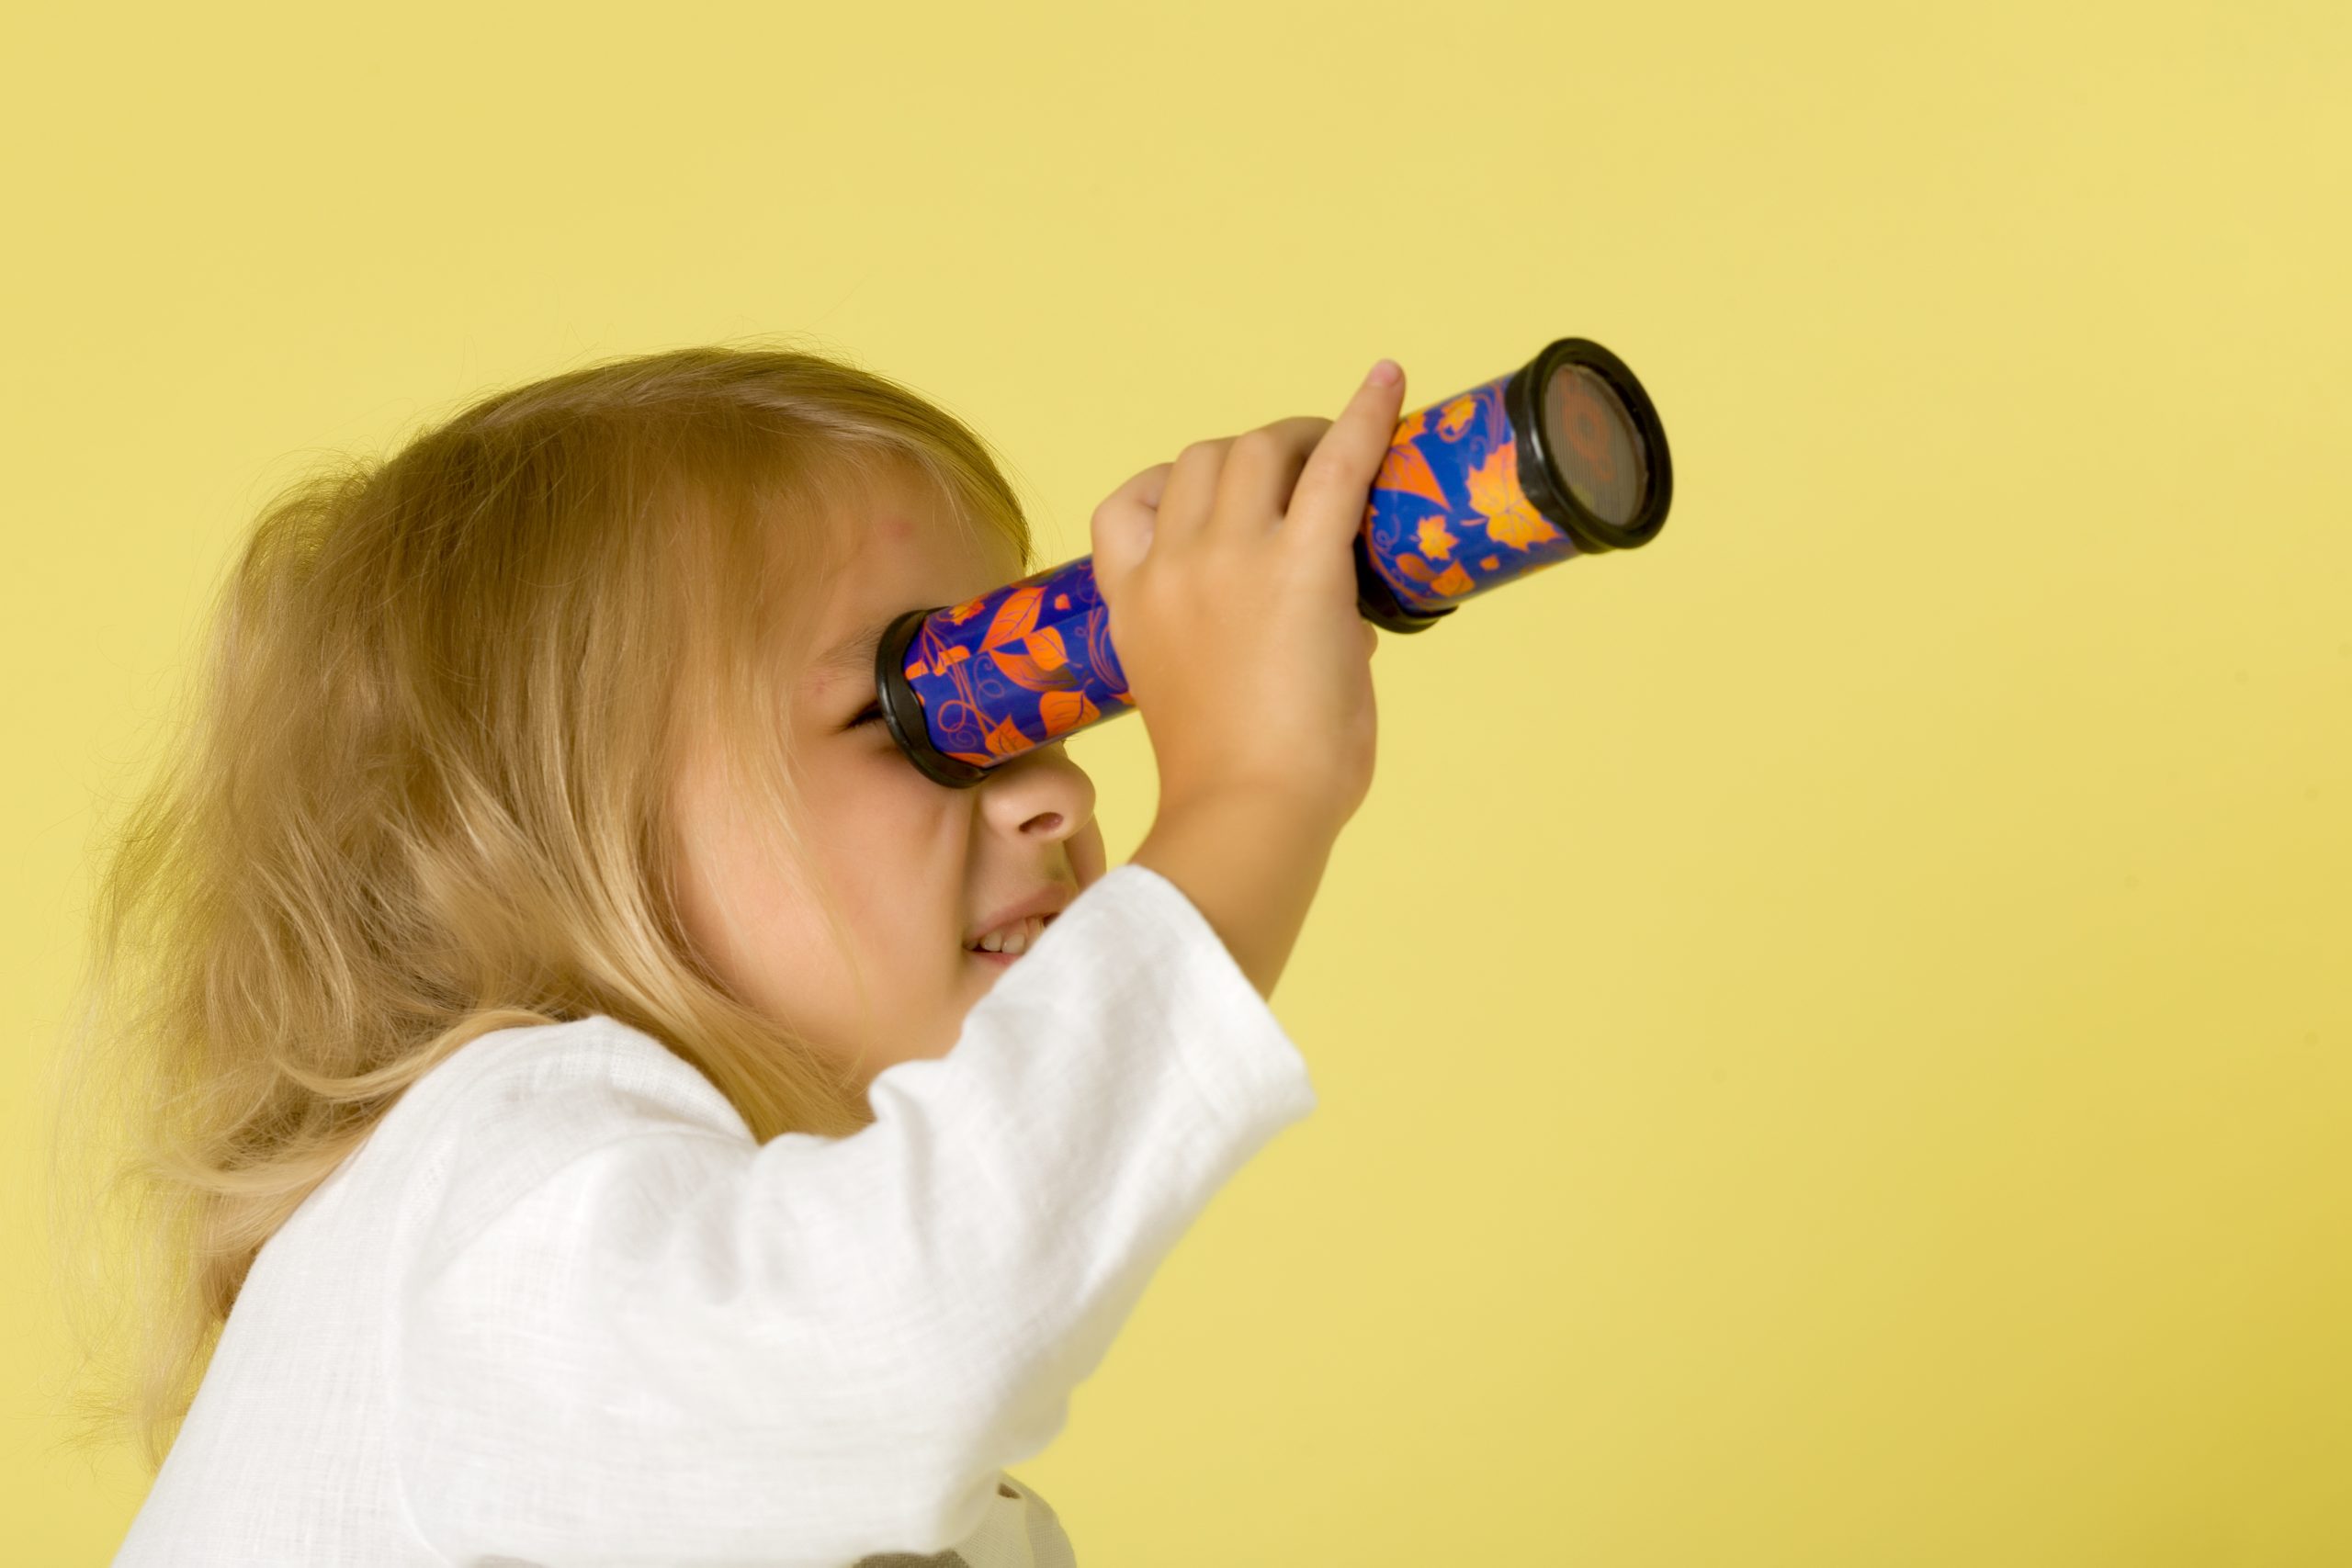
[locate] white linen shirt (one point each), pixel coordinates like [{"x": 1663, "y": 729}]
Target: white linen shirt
[{"x": 562, "y": 1309}]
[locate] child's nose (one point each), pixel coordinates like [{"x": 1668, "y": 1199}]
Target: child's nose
[{"x": 1042, "y": 793}]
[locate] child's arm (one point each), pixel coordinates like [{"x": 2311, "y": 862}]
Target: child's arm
[{"x": 663, "y": 1342}]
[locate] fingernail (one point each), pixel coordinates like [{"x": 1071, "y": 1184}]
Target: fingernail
[{"x": 1385, "y": 374}]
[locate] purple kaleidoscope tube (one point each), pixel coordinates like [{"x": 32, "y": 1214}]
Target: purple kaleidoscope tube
[{"x": 1561, "y": 457}]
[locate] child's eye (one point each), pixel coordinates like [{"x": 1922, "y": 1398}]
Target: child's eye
[{"x": 872, "y": 714}]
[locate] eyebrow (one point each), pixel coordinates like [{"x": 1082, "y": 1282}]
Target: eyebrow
[{"x": 853, "y": 657}]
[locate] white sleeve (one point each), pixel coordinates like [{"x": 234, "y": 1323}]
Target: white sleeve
[{"x": 683, "y": 1347}]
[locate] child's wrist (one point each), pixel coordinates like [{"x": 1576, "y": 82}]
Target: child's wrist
[
  {"x": 1286, "y": 806},
  {"x": 1250, "y": 861}
]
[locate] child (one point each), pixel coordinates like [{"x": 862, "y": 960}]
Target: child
[{"x": 574, "y": 1040}]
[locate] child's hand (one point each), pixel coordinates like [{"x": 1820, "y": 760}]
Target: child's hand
[{"x": 1231, "y": 590}]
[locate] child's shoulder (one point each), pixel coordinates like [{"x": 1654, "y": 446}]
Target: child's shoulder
[
  {"x": 511, "y": 1106},
  {"x": 595, "y": 1058}
]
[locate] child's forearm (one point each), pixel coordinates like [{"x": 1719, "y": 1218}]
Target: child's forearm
[{"x": 1250, "y": 862}]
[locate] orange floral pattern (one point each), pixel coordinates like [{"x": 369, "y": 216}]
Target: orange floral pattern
[
  {"x": 1447, "y": 495},
  {"x": 1019, "y": 667}
]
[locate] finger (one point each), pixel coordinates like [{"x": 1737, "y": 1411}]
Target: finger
[
  {"x": 1123, "y": 526},
  {"x": 1262, "y": 470},
  {"x": 1191, "y": 490},
  {"x": 1328, "y": 503},
  {"x": 1146, "y": 487}
]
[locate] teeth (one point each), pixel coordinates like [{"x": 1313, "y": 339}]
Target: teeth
[{"x": 1014, "y": 938}]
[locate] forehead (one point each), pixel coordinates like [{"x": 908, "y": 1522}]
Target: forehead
[{"x": 896, "y": 545}]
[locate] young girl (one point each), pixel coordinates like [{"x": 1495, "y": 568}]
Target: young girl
[{"x": 609, "y": 1106}]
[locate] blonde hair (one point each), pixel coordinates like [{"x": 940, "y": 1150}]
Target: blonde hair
[{"x": 424, "y": 790}]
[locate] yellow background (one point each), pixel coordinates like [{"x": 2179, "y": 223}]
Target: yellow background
[{"x": 1832, "y": 1030}]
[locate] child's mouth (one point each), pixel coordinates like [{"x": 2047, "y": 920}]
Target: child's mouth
[{"x": 1018, "y": 936}]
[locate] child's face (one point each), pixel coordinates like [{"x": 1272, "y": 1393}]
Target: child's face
[{"x": 916, "y": 866}]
